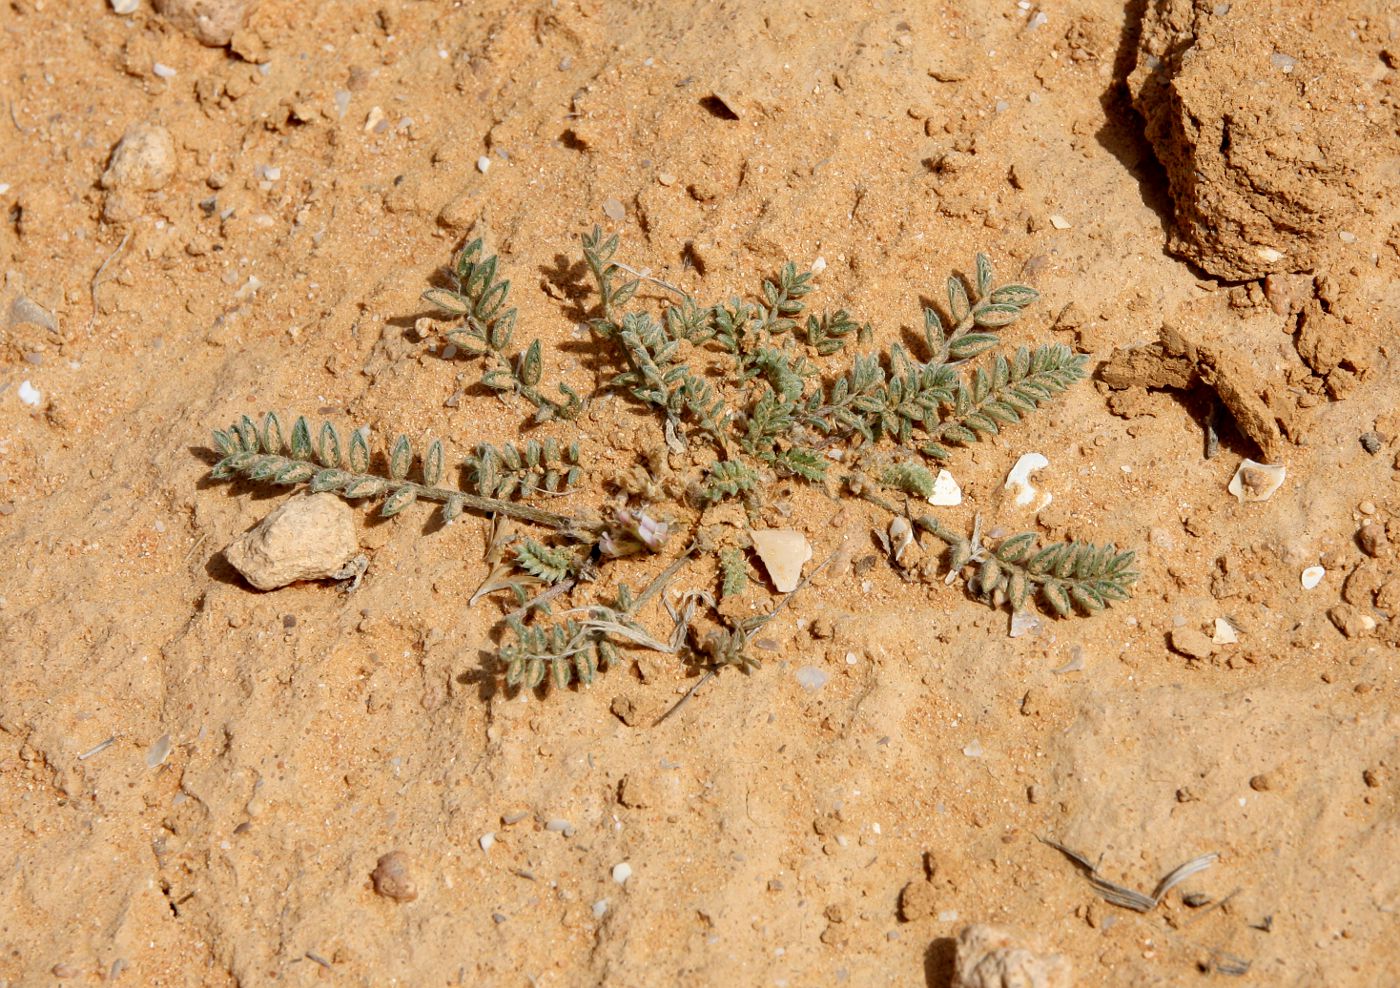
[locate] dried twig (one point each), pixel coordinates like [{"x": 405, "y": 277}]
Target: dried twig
[{"x": 1121, "y": 895}]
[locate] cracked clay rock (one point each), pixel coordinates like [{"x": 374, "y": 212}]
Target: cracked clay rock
[
  {"x": 310, "y": 537},
  {"x": 991, "y": 957},
  {"x": 1256, "y": 120}
]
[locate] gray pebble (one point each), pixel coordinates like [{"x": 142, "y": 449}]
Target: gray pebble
[{"x": 1371, "y": 442}]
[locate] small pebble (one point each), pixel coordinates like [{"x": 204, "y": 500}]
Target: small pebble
[
  {"x": 1059, "y": 222},
  {"x": 159, "y": 752},
  {"x": 1372, "y": 539},
  {"x": 613, "y": 210},
  {"x": 1025, "y": 623},
  {"x": 499, "y": 918},
  {"x": 163, "y": 70},
  {"x": 600, "y": 908},
  {"x": 1191, "y": 643},
  {"x": 811, "y": 678},
  {"x": 621, "y": 872},
  {"x": 125, "y": 7},
  {"x": 973, "y": 749},
  {"x": 1312, "y": 576},
  {"x": 560, "y": 826},
  {"x": 29, "y": 394},
  {"x": 374, "y": 118},
  {"x": 1225, "y": 633},
  {"x": 666, "y": 178},
  {"x": 483, "y": 164},
  {"x": 946, "y": 492},
  {"x": 391, "y": 878},
  {"x": 1346, "y": 236},
  {"x": 1372, "y": 442},
  {"x": 487, "y": 840}
]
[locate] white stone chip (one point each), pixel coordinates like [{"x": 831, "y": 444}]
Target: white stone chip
[
  {"x": 946, "y": 492},
  {"x": 783, "y": 552}
]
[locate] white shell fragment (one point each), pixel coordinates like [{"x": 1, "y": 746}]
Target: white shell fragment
[
  {"x": 783, "y": 552},
  {"x": 901, "y": 536},
  {"x": 125, "y": 6},
  {"x": 946, "y": 492},
  {"x": 1312, "y": 576},
  {"x": 1225, "y": 633},
  {"x": 1256, "y": 481},
  {"x": 1019, "y": 480},
  {"x": 29, "y": 394},
  {"x": 483, "y": 164},
  {"x": 621, "y": 872}
]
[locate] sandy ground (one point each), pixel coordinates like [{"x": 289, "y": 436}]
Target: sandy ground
[{"x": 266, "y": 749}]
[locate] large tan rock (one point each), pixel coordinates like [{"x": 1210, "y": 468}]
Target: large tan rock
[
  {"x": 990, "y": 957},
  {"x": 310, "y": 537},
  {"x": 1259, "y": 122}
]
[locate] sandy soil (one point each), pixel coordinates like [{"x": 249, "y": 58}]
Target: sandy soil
[{"x": 266, "y": 749}]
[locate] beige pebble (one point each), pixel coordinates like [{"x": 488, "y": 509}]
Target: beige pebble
[
  {"x": 142, "y": 161},
  {"x": 211, "y": 22},
  {"x": 310, "y": 537},
  {"x": 391, "y": 878}
]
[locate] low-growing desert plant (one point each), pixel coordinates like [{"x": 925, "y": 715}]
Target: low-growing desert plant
[{"x": 741, "y": 401}]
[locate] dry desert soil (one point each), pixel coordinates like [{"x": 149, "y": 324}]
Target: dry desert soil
[{"x": 212, "y": 207}]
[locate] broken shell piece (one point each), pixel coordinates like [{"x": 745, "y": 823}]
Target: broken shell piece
[
  {"x": 1256, "y": 481},
  {"x": 946, "y": 491},
  {"x": 901, "y": 536},
  {"x": 1019, "y": 480},
  {"x": 1225, "y": 633},
  {"x": 783, "y": 552},
  {"x": 1312, "y": 576},
  {"x": 1025, "y": 623}
]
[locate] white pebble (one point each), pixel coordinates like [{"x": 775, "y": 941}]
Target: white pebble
[
  {"x": 946, "y": 492},
  {"x": 811, "y": 678},
  {"x": 374, "y": 118},
  {"x": 1019, "y": 479},
  {"x": 1225, "y": 633},
  {"x": 29, "y": 394},
  {"x": 125, "y": 7},
  {"x": 1256, "y": 481},
  {"x": 948, "y": 916},
  {"x": 614, "y": 210},
  {"x": 1059, "y": 222},
  {"x": 1024, "y": 623},
  {"x": 1347, "y": 237},
  {"x": 560, "y": 826},
  {"x": 1312, "y": 576},
  {"x": 973, "y": 749},
  {"x": 486, "y": 840},
  {"x": 621, "y": 872},
  {"x": 483, "y": 164},
  {"x": 600, "y": 908},
  {"x": 819, "y": 265}
]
